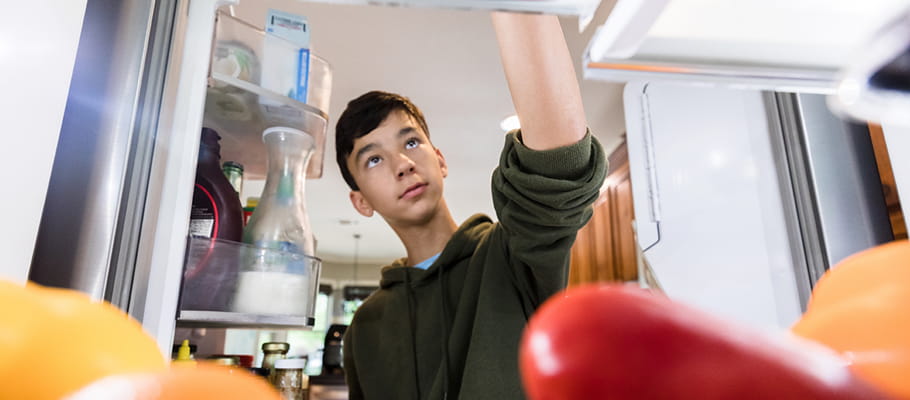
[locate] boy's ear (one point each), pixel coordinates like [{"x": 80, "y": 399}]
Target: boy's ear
[
  {"x": 361, "y": 204},
  {"x": 442, "y": 163}
]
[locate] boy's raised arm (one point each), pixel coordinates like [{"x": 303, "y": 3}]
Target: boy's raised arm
[{"x": 541, "y": 79}]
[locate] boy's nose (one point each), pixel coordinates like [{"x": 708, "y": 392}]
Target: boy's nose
[{"x": 405, "y": 166}]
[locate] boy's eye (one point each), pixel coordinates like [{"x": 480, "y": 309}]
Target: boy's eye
[
  {"x": 411, "y": 143},
  {"x": 373, "y": 161}
]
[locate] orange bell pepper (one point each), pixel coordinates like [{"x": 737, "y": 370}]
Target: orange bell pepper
[
  {"x": 54, "y": 341},
  {"x": 859, "y": 308}
]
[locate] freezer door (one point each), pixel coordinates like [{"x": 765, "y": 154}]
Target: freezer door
[{"x": 710, "y": 209}]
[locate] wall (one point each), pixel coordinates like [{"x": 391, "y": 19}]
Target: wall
[{"x": 38, "y": 42}]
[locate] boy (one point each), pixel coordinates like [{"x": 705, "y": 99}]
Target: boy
[{"x": 447, "y": 319}]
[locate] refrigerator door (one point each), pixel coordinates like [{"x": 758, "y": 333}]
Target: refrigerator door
[
  {"x": 35, "y": 78},
  {"x": 836, "y": 182},
  {"x": 86, "y": 234},
  {"x": 724, "y": 242}
]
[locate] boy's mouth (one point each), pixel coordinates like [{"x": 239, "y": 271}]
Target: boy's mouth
[{"x": 413, "y": 190}]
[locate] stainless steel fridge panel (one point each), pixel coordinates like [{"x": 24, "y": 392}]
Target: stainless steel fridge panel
[
  {"x": 851, "y": 209},
  {"x": 78, "y": 232}
]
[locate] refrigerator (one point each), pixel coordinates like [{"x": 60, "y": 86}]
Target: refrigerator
[
  {"x": 744, "y": 198},
  {"x": 117, "y": 209}
]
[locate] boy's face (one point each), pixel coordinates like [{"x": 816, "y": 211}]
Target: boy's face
[{"x": 399, "y": 172}]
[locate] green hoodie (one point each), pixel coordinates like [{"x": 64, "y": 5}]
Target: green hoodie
[{"x": 452, "y": 330}]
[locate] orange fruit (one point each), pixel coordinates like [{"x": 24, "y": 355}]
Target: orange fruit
[
  {"x": 203, "y": 381},
  {"x": 859, "y": 308},
  {"x": 53, "y": 341}
]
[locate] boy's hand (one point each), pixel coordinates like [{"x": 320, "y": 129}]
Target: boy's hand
[{"x": 541, "y": 79}]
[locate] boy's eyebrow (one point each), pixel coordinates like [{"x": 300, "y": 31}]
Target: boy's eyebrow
[
  {"x": 363, "y": 150},
  {"x": 406, "y": 131}
]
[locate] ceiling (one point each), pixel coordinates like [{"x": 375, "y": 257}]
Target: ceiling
[{"x": 447, "y": 63}]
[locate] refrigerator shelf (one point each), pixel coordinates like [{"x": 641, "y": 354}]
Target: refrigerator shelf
[
  {"x": 240, "y": 111},
  {"x": 258, "y": 80},
  {"x": 232, "y": 284},
  {"x": 226, "y": 319}
]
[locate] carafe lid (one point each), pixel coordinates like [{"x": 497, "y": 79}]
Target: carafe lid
[{"x": 284, "y": 129}]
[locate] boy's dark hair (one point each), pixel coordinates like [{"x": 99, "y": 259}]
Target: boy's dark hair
[{"x": 361, "y": 116}]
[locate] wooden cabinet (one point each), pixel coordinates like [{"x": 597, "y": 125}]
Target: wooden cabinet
[
  {"x": 604, "y": 249},
  {"x": 889, "y": 187}
]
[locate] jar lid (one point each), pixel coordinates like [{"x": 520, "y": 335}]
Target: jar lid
[
  {"x": 232, "y": 361},
  {"x": 284, "y": 129},
  {"x": 232, "y": 164},
  {"x": 290, "y": 363},
  {"x": 276, "y": 346}
]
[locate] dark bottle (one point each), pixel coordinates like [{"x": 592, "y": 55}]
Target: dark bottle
[{"x": 217, "y": 214}]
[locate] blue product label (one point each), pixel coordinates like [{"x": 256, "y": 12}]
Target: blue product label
[{"x": 303, "y": 75}]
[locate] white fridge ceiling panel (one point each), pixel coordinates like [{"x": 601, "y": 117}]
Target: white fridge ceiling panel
[
  {"x": 582, "y": 8},
  {"x": 784, "y": 42}
]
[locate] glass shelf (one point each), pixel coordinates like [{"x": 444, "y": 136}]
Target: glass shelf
[{"x": 239, "y": 111}]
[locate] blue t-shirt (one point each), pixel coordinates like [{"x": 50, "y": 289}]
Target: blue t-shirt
[{"x": 428, "y": 262}]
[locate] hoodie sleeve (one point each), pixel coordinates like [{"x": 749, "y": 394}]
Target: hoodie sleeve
[{"x": 542, "y": 199}]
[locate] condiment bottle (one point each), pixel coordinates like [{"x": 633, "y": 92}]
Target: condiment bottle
[
  {"x": 184, "y": 356},
  {"x": 273, "y": 351}
]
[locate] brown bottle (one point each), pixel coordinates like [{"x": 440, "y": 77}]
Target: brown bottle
[{"x": 216, "y": 213}]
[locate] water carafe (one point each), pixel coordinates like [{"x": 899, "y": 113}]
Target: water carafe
[{"x": 275, "y": 279}]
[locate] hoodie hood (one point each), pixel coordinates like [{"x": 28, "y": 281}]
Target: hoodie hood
[{"x": 460, "y": 246}]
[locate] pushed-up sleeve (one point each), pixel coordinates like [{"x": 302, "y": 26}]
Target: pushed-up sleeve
[{"x": 542, "y": 199}]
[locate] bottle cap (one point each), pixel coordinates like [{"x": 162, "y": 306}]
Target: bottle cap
[
  {"x": 232, "y": 164},
  {"x": 226, "y": 360},
  {"x": 282, "y": 347},
  {"x": 184, "y": 356},
  {"x": 290, "y": 363}
]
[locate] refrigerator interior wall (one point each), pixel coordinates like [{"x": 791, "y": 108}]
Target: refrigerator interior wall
[{"x": 703, "y": 168}]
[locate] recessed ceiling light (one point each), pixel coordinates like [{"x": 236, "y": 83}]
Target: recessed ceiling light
[{"x": 510, "y": 123}]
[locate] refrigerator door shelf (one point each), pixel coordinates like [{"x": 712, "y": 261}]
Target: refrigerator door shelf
[
  {"x": 226, "y": 319},
  {"x": 240, "y": 111},
  {"x": 258, "y": 80},
  {"x": 228, "y": 283}
]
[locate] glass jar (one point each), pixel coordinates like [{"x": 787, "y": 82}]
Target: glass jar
[
  {"x": 289, "y": 379},
  {"x": 273, "y": 351}
]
